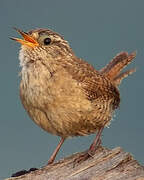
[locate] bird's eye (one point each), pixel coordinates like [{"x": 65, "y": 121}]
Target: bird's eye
[{"x": 47, "y": 41}]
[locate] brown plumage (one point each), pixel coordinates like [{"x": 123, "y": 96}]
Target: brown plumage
[
  {"x": 118, "y": 63},
  {"x": 62, "y": 93}
]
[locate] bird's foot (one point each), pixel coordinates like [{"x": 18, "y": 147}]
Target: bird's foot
[
  {"x": 88, "y": 154},
  {"x": 83, "y": 157},
  {"x": 50, "y": 161}
]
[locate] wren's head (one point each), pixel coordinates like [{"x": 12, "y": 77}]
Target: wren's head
[{"x": 43, "y": 45}]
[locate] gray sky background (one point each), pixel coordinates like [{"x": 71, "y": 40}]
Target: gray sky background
[{"x": 97, "y": 30}]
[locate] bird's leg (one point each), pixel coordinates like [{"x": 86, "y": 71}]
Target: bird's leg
[
  {"x": 96, "y": 142},
  {"x": 92, "y": 149},
  {"x": 53, "y": 156}
]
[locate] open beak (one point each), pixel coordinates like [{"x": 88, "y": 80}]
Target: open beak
[{"x": 27, "y": 41}]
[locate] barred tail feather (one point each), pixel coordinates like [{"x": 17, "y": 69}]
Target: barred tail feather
[
  {"x": 118, "y": 63},
  {"x": 123, "y": 75},
  {"x": 117, "y": 59}
]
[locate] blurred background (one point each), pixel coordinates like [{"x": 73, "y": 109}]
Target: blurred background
[{"x": 97, "y": 31}]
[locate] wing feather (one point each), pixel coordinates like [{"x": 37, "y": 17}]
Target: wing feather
[{"x": 94, "y": 84}]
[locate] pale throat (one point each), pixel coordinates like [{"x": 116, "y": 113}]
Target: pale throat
[
  {"x": 28, "y": 55},
  {"x": 34, "y": 63}
]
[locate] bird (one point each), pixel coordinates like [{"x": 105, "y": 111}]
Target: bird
[{"x": 64, "y": 94}]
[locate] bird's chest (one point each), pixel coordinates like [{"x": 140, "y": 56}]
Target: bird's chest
[
  {"x": 44, "y": 90},
  {"x": 35, "y": 87},
  {"x": 58, "y": 97}
]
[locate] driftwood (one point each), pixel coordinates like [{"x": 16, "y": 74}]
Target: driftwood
[{"x": 107, "y": 164}]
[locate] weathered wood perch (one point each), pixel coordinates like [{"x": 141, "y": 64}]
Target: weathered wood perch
[{"x": 107, "y": 164}]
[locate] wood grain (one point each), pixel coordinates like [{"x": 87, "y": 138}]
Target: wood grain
[{"x": 114, "y": 164}]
